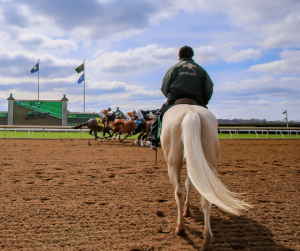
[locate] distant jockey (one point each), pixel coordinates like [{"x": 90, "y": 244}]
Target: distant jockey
[
  {"x": 104, "y": 113},
  {"x": 152, "y": 112},
  {"x": 118, "y": 111},
  {"x": 129, "y": 115},
  {"x": 140, "y": 121},
  {"x": 139, "y": 114}
]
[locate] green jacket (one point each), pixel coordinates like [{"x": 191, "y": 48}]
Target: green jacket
[
  {"x": 119, "y": 112},
  {"x": 187, "y": 79}
]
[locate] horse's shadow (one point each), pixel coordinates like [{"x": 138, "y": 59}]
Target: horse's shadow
[{"x": 235, "y": 233}]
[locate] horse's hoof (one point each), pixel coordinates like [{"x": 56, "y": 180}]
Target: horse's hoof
[
  {"x": 180, "y": 232},
  {"x": 207, "y": 247},
  {"x": 187, "y": 213}
]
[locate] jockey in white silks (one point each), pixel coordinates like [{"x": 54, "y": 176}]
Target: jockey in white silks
[
  {"x": 151, "y": 115},
  {"x": 129, "y": 115},
  {"x": 104, "y": 113},
  {"x": 139, "y": 114}
]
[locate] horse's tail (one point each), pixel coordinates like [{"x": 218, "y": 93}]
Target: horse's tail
[
  {"x": 201, "y": 173},
  {"x": 80, "y": 125}
]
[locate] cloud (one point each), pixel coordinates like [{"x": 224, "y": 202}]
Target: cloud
[
  {"x": 134, "y": 60},
  {"x": 206, "y": 54},
  {"x": 91, "y": 20},
  {"x": 289, "y": 64},
  {"x": 145, "y": 58},
  {"x": 39, "y": 42},
  {"x": 114, "y": 85},
  {"x": 19, "y": 63},
  {"x": 256, "y": 88},
  {"x": 275, "y": 23},
  {"x": 243, "y": 55}
]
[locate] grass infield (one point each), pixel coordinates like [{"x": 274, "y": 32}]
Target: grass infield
[{"x": 86, "y": 135}]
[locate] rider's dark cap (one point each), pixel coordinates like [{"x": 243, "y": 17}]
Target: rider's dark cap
[{"x": 186, "y": 52}]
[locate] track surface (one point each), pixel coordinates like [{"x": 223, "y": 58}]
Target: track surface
[{"x": 85, "y": 195}]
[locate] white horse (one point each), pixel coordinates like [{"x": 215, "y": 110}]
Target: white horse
[{"x": 190, "y": 134}]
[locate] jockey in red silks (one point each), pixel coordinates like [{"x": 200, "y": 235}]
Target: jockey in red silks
[
  {"x": 129, "y": 115},
  {"x": 186, "y": 79}
]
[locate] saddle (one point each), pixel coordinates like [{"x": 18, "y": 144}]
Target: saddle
[
  {"x": 186, "y": 101},
  {"x": 100, "y": 122}
]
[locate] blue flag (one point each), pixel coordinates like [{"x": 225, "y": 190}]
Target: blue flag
[
  {"x": 81, "y": 79},
  {"x": 36, "y": 68}
]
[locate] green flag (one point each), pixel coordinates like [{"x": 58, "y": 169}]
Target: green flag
[{"x": 80, "y": 68}]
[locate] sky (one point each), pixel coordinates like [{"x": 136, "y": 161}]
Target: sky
[{"x": 250, "y": 49}]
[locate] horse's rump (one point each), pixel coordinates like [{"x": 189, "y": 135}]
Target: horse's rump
[{"x": 193, "y": 130}]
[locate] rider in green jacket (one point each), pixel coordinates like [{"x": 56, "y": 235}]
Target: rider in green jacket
[{"x": 186, "y": 79}]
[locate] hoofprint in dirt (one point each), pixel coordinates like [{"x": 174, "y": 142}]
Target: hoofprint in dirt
[{"x": 81, "y": 195}]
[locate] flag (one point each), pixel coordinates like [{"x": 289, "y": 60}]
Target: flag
[
  {"x": 284, "y": 112},
  {"x": 81, "y": 79},
  {"x": 80, "y": 68},
  {"x": 36, "y": 68}
]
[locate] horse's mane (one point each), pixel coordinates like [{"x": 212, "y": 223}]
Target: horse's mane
[{"x": 117, "y": 122}]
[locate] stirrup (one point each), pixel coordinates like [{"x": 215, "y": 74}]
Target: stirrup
[{"x": 154, "y": 145}]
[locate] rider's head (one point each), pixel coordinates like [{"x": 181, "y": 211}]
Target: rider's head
[
  {"x": 109, "y": 108},
  {"x": 117, "y": 108},
  {"x": 186, "y": 52}
]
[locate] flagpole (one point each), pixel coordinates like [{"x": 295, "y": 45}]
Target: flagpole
[
  {"x": 39, "y": 80},
  {"x": 286, "y": 115},
  {"x": 84, "y": 86}
]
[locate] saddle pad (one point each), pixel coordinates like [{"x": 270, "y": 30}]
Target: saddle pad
[
  {"x": 99, "y": 122},
  {"x": 160, "y": 118},
  {"x": 159, "y": 127}
]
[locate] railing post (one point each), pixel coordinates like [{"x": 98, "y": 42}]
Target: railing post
[
  {"x": 4, "y": 132},
  {"x": 237, "y": 133},
  {"x": 43, "y": 133},
  {"x": 80, "y": 133},
  {"x": 297, "y": 134},
  {"x": 267, "y": 133}
]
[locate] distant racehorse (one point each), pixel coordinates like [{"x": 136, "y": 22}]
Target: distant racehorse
[
  {"x": 144, "y": 133},
  {"x": 123, "y": 127},
  {"x": 190, "y": 133},
  {"x": 92, "y": 124}
]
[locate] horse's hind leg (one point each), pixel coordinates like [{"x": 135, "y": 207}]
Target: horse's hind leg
[
  {"x": 137, "y": 141},
  {"x": 143, "y": 138},
  {"x": 175, "y": 178},
  {"x": 96, "y": 135},
  {"x": 207, "y": 234},
  {"x": 126, "y": 136},
  {"x": 188, "y": 186}
]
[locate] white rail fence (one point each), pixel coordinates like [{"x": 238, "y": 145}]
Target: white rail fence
[
  {"x": 261, "y": 130},
  {"x": 44, "y": 129},
  {"x": 229, "y": 130}
]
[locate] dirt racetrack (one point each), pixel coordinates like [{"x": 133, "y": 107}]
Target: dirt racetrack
[{"x": 85, "y": 195}]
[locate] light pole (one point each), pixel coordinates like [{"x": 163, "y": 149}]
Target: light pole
[{"x": 286, "y": 116}]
